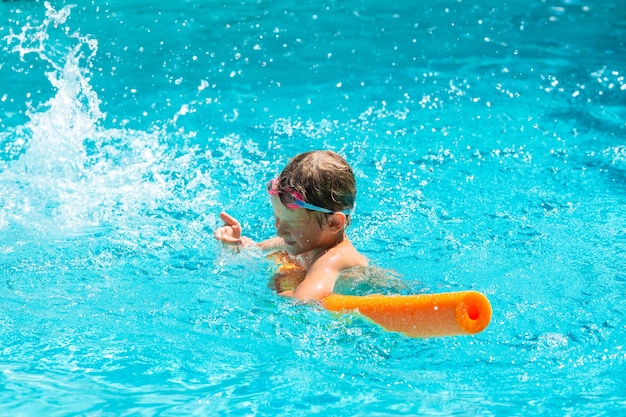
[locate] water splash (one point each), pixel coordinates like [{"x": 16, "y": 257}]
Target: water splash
[
  {"x": 63, "y": 168},
  {"x": 54, "y": 138}
]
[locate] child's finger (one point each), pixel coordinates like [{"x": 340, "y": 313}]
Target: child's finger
[
  {"x": 229, "y": 220},
  {"x": 229, "y": 240},
  {"x": 225, "y": 236}
]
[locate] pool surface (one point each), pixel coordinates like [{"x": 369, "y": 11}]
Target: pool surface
[{"x": 489, "y": 145}]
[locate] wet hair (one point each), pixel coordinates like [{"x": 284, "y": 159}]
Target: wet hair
[{"x": 323, "y": 178}]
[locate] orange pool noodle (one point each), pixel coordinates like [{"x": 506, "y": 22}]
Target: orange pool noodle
[{"x": 422, "y": 315}]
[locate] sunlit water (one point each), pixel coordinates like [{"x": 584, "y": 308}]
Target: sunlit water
[{"x": 489, "y": 144}]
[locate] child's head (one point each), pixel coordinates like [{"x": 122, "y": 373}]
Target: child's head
[{"x": 322, "y": 178}]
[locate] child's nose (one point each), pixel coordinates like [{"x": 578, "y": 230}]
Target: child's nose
[
  {"x": 277, "y": 225},
  {"x": 281, "y": 228}
]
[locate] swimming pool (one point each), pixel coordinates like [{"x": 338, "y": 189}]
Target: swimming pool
[{"x": 488, "y": 141}]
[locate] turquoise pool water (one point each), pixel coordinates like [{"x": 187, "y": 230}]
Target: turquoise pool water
[{"x": 489, "y": 144}]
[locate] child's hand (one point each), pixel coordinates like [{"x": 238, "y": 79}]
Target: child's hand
[{"x": 230, "y": 233}]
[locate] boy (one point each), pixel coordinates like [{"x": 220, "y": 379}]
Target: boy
[{"x": 312, "y": 199}]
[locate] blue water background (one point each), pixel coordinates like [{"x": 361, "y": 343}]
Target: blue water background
[{"x": 489, "y": 145}]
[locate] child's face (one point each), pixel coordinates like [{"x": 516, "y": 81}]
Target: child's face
[{"x": 300, "y": 229}]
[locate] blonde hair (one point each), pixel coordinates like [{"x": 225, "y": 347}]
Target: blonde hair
[{"x": 323, "y": 178}]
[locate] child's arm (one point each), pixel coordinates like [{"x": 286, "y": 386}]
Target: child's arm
[
  {"x": 315, "y": 286},
  {"x": 230, "y": 234},
  {"x": 322, "y": 274},
  {"x": 319, "y": 281}
]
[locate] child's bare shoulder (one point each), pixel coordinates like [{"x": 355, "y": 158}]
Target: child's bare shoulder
[{"x": 346, "y": 256}]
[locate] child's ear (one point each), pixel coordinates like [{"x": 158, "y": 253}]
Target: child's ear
[{"x": 337, "y": 222}]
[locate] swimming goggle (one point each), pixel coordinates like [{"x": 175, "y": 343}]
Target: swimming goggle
[{"x": 292, "y": 199}]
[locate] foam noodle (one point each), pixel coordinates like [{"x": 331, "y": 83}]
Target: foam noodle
[{"x": 423, "y": 315}]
